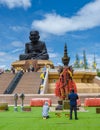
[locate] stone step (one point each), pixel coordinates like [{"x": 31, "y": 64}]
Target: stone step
[
  {"x": 29, "y": 83},
  {"x": 5, "y": 80}
]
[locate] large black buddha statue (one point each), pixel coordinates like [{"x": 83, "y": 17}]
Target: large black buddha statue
[{"x": 35, "y": 49}]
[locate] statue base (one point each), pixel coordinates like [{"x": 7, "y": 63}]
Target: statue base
[
  {"x": 66, "y": 104},
  {"x": 37, "y": 64}
]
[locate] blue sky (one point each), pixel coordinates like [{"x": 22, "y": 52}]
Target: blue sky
[{"x": 74, "y": 22}]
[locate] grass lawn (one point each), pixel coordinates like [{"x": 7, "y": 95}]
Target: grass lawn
[{"x": 10, "y": 120}]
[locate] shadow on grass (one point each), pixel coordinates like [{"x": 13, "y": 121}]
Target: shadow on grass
[
  {"x": 23, "y": 117},
  {"x": 63, "y": 123}
]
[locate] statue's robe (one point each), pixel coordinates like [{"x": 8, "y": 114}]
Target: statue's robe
[
  {"x": 35, "y": 51},
  {"x": 65, "y": 84}
]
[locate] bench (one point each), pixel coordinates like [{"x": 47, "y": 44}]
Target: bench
[
  {"x": 40, "y": 101},
  {"x": 3, "y": 106},
  {"x": 27, "y": 109},
  {"x": 98, "y": 110},
  {"x": 92, "y": 102}
]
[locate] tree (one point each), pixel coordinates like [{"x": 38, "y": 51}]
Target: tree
[
  {"x": 77, "y": 64},
  {"x": 94, "y": 63},
  {"x": 85, "y": 64}
]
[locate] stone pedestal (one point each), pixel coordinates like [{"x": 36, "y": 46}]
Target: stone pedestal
[
  {"x": 25, "y": 64},
  {"x": 3, "y": 106},
  {"x": 98, "y": 110},
  {"x": 66, "y": 104}
]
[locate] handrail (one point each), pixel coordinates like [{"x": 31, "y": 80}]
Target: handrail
[
  {"x": 13, "y": 83},
  {"x": 44, "y": 83}
]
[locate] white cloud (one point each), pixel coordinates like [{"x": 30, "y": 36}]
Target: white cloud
[
  {"x": 44, "y": 35},
  {"x": 59, "y": 63},
  {"x": 18, "y": 50},
  {"x": 79, "y": 36},
  {"x": 50, "y": 50},
  {"x": 6, "y": 59},
  {"x": 53, "y": 55},
  {"x": 18, "y": 28},
  {"x": 16, "y": 3},
  {"x": 2, "y": 54},
  {"x": 17, "y": 44},
  {"x": 90, "y": 59},
  {"x": 5, "y": 56},
  {"x": 2, "y": 66},
  {"x": 86, "y": 18}
]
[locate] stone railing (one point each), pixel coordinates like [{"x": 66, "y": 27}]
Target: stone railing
[
  {"x": 84, "y": 70},
  {"x": 44, "y": 83},
  {"x": 76, "y": 70}
]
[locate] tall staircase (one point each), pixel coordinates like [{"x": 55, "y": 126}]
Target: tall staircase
[
  {"x": 29, "y": 83},
  {"x": 5, "y": 80},
  {"x": 14, "y": 83}
]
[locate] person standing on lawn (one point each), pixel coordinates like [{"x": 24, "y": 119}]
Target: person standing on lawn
[{"x": 73, "y": 104}]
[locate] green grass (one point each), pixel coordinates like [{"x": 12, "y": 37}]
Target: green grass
[{"x": 10, "y": 120}]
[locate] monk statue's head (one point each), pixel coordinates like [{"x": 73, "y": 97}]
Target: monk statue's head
[{"x": 34, "y": 36}]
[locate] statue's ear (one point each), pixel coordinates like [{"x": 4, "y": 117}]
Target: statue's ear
[{"x": 38, "y": 36}]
